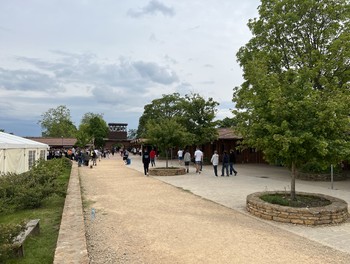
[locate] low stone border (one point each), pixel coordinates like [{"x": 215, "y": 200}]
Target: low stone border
[
  {"x": 71, "y": 243},
  {"x": 171, "y": 171},
  {"x": 335, "y": 213}
]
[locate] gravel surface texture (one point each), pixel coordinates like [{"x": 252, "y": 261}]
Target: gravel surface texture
[{"x": 132, "y": 218}]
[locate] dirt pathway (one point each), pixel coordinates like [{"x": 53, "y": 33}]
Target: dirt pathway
[{"x": 139, "y": 219}]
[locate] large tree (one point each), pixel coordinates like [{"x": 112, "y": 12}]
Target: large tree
[
  {"x": 294, "y": 103},
  {"x": 169, "y": 106},
  {"x": 166, "y": 134},
  {"x": 93, "y": 129},
  {"x": 56, "y": 122},
  {"x": 192, "y": 111},
  {"x": 198, "y": 118}
]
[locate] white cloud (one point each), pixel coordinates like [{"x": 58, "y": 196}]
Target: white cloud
[{"x": 114, "y": 57}]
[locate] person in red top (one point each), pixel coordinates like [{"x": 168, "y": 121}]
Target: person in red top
[{"x": 152, "y": 156}]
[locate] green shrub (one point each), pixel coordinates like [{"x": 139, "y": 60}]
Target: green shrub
[
  {"x": 43, "y": 188},
  {"x": 7, "y": 235},
  {"x": 29, "y": 189},
  {"x": 319, "y": 167}
]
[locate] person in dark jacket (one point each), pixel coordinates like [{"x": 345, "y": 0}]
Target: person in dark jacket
[
  {"x": 225, "y": 164},
  {"x": 232, "y": 161},
  {"x": 146, "y": 160}
]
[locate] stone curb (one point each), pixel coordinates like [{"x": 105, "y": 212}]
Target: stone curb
[
  {"x": 71, "y": 243},
  {"x": 335, "y": 213}
]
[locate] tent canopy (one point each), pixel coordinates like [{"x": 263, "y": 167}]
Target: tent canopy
[
  {"x": 19, "y": 154},
  {"x": 8, "y": 141}
]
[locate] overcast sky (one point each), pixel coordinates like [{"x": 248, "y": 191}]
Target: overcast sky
[{"x": 113, "y": 57}]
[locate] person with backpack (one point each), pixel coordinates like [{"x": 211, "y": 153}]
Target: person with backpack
[
  {"x": 225, "y": 164},
  {"x": 125, "y": 156}
]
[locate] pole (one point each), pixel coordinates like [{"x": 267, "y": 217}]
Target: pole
[{"x": 332, "y": 176}]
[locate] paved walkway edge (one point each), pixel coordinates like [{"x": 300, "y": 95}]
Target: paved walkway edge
[{"x": 71, "y": 243}]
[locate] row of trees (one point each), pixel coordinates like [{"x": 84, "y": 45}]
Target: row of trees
[{"x": 56, "y": 122}]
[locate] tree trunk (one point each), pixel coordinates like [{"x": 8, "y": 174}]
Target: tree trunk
[{"x": 292, "y": 185}]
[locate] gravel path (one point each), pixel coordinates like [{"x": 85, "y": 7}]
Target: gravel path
[{"x": 140, "y": 219}]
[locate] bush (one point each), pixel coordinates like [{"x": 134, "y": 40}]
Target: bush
[
  {"x": 29, "y": 189},
  {"x": 44, "y": 186},
  {"x": 319, "y": 167},
  {"x": 7, "y": 235}
]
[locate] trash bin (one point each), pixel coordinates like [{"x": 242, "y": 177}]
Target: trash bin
[{"x": 128, "y": 161}]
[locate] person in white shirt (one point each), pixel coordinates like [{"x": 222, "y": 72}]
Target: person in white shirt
[
  {"x": 215, "y": 161},
  {"x": 180, "y": 155},
  {"x": 198, "y": 158}
]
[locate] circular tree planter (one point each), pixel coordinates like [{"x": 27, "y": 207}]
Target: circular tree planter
[
  {"x": 334, "y": 213},
  {"x": 170, "y": 171}
]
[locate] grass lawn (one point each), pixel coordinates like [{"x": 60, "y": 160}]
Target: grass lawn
[{"x": 40, "y": 248}]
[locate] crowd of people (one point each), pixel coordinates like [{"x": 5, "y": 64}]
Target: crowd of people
[
  {"x": 87, "y": 155},
  {"x": 185, "y": 158},
  {"x": 84, "y": 156}
]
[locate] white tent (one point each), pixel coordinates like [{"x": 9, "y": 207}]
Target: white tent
[{"x": 19, "y": 154}]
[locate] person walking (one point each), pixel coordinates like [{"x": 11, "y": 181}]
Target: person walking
[
  {"x": 187, "y": 160},
  {"x": 146, "y": 160},
  {"x": 152, "y": 156},
  {"x": 232, "y": 160},
  {"x": 198, "y": 159},
  {"x": 225, "y": 164},
  {"x": 180, "y": 153},
  {"x": 125, "y": 156},
  {"x": 215, "y": 161}
]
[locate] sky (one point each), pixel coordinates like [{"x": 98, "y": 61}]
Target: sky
[{"x": 113, "y": 57}]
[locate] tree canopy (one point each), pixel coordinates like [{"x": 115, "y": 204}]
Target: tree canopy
[
  {"x": 169, "y": 106},
  {"x": 92, "y": 129},
  {"x": 56, "y": 122},
  {"x": 198, "y": 118},
  {"x": 166, "y": 134},
  {"x": 293, "y": 104},
  {"x": 193, "y": 112}
]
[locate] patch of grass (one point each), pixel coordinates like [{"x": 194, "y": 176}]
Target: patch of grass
[
  {"x": 40, "y": 248},
  {"x": 299, "y": 202}
]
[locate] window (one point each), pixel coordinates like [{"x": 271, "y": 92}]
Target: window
[
  {"x": 31, "y": 158},
  {"x": 42, "y": 154}
]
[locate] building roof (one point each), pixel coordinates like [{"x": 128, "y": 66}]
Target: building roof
[
  {"x": 69, "y": 142},
  {"x": 9, "y": 141},
  {"x": 228, "y": 133}
]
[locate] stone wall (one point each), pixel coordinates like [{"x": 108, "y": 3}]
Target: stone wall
[
  {"x": 336, "y": 212},
  {"x": 171, "y": 171}
]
